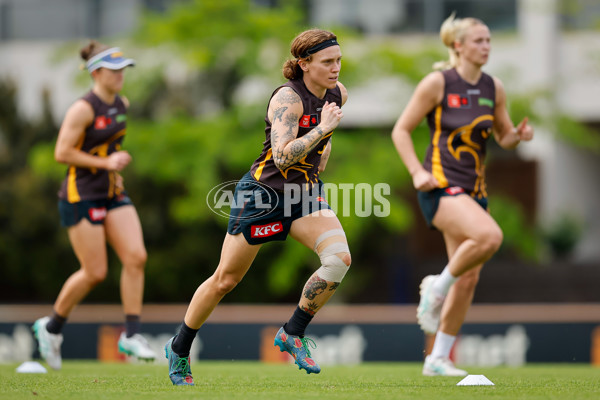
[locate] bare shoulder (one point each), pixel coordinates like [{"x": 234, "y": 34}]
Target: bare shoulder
[
  {"x": 431, "y": 88},
  {"x": 344, "y": 92},
  {"x": 125, "y": 101},
  {"x": 80, "y": 111},
  {"x": 78, "y": 117},
  {"x": 285, "y": 101},
  {"x": 286, "y": 95},
  {"x": 433, "y": 81},
  {"x": 498, "y": 83},
  {"x": 500, "y": 93}
]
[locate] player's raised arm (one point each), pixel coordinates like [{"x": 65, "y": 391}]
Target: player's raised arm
[
  {"x": 506, "y": 134},
  {"x": 285, "y": 110}
]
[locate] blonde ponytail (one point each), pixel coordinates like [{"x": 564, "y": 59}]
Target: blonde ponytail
[{"x": 452, "y": 30}]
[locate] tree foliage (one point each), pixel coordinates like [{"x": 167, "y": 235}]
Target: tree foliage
[
  {"x": 199, "y": 92},
  {"x": 29, "y": 234},
  {"x": 206, "y": 148}
]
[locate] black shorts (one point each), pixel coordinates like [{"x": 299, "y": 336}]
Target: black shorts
[
  {"x": 264, "y": 214},
  {"x": 430, "y": 201},
  {"x": 93, "y": 210}
]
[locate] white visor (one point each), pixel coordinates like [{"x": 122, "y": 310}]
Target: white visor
[{"x": 111, "y": 59}]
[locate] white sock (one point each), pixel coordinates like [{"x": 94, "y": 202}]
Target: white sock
[
  {"x": 442, "y": 284},
  {"x": 442, "y": 345}
]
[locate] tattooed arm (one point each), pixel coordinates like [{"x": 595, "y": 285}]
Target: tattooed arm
[{"x": 285, "y": 110}]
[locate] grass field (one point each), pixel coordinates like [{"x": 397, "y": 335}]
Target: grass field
[{"x": 252, "y": 380}]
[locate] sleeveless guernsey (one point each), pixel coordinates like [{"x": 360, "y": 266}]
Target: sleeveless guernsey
[
  {"x": 306, "y": 170},
  {"x": 103, "y": 137},
  {"x": 459, "y": 127}
]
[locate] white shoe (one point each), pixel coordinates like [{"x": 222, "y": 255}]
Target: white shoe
[
  {"x": 136, "y": 346},
  {"x": 430, "y": 305},
  {"x": 49, "y": 343},
  {"x": 441, "y": 367}
]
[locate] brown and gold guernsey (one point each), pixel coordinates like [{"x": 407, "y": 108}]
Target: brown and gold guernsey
[
  {"x": 460, "y": 126},
  {"x": 306, "y": 170},
  {"x": 101, "y": 138}
]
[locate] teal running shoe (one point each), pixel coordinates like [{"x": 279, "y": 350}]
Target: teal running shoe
[
  {"x": 49, "y": 343},
  {"x": 136, "y": 346},
  {"x": 430, "y": 305},
  {"x": 298, "y": 347},
  {"x": 441, "y": 367},
  {"x": 179, "y": 367}
]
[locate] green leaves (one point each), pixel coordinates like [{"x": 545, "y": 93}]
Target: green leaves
[
  {"x": 198, "y": 96},
  {"x": 576, "y": 133},
  {"x": 213, "y": 33}
]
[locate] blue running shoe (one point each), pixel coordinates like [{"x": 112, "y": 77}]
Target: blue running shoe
[
  {"x": 179, "y": 367},
  {"x": 298, "y": 347}
]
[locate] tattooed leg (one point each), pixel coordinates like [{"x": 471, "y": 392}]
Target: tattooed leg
[{"x": 316, "y": 293}]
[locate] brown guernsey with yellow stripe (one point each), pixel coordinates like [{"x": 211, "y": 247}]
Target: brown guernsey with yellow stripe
[
  {"x": 103, "y": 137},
  {"x": 306, "y": 170},
  {"x": 460, "y": 126}
]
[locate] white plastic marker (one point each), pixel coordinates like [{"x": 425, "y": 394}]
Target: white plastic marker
[
  {"x": 475, "y": 380},
  {"x": 31, "y": 367}
]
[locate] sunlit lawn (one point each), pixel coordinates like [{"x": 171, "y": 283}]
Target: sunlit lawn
[{"x": 84, "y": 380}]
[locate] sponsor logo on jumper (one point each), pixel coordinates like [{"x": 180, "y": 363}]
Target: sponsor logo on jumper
[
  {"x": 454, "y": 190},
  {"x": 102, "y": 122},
  {"x": 97, "y": 214},
  {"x": 457, "y": 101},
  {"x": 309, "y": 120},
  {"x": 121, "y": 118},
  {"x": 266, "y": 230},
  {"x": 482, "y": 101}
]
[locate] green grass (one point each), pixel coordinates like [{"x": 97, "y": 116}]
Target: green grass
[{"x": 87, "y": 380}]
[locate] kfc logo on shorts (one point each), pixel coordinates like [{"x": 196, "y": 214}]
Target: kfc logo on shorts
[
  {"x": 97, "y": 214},
  {"x": 259, "y": 231},
  {"x": 454, "y": 190}
]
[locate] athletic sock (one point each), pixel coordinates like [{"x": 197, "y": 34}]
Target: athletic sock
[
  {"x": 183, "y": 341},
  {"x": 132, "y": 324},
  {"x": 298, "y": 323},
  {"x": 443, "y": 283},
  {"x": 442, "y": 345},
  {"x": 56, "y": 323}
]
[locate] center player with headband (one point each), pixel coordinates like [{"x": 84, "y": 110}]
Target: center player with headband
[{"x": 300, "y": 120}]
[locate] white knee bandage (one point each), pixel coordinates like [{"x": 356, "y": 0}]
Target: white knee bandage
[{"x": 328, "y": 246}]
